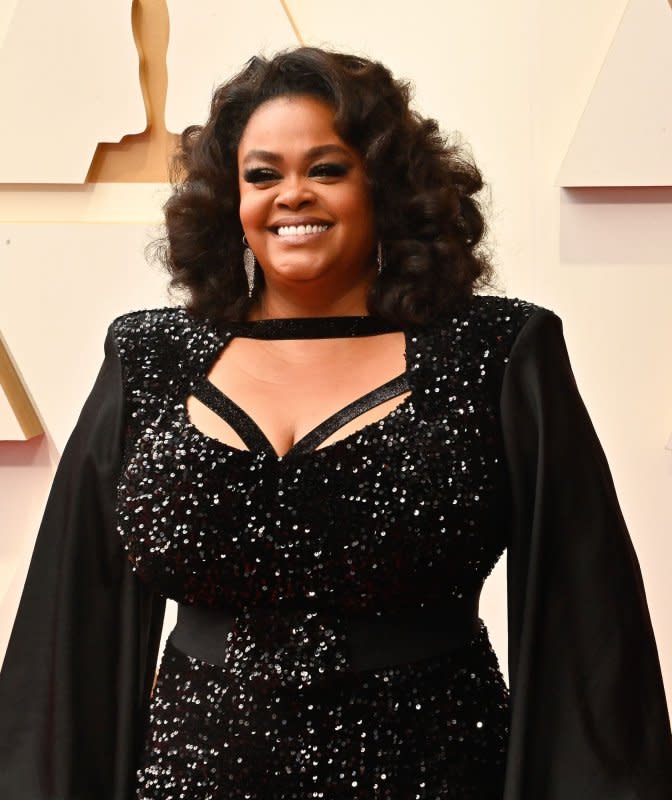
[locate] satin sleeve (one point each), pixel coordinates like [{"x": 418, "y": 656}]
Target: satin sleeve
[
  {"x": 589, "y": 718},
  {"x": 77, "y": 675}
]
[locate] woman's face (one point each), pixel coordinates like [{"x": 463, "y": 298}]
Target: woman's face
[{"x": 305, "y": 201}]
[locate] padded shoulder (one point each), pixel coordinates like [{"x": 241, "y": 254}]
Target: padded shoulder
[
  {"x": 492, "y": 315},
  {"x": 161, "y": 351},
  {"x": 474, "y": 339},
  {"x": 487, "y": 320}
]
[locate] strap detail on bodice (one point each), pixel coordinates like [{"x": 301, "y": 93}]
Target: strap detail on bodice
[
  {"x": 390, "y": 389},
  {"x": 257, "y": 441},
  {"x": 232, "y": 413}
]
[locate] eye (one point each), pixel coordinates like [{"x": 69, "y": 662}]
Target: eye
[
  {"x": 260, "y": 175},
  {"x": 329, "y": 170}
]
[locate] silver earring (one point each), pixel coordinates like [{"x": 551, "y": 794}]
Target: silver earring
[
  {"x": 249, "y": 264},
  {"x": 379, "y": 257}
]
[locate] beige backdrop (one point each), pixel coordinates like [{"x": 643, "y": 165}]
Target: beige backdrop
[{"x": 514, "y": 78}]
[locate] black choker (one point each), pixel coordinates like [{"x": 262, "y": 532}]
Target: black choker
[{"x": 311, "y": 327}]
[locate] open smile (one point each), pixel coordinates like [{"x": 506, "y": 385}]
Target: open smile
[
  {"x": 300, "y": 230},
  {"x": 300, "y": 233}
]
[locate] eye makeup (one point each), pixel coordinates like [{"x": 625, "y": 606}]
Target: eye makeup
[
  {"x": 260, "y": 175},
  {"x": 331, "y": 169}
]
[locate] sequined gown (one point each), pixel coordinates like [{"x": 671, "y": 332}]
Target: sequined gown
[{"x": 328, "y": 641}]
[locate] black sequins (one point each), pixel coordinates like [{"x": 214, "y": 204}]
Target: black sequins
[
  {"x": 405, "y": 513},
  {"x": 434, "y": 729}
]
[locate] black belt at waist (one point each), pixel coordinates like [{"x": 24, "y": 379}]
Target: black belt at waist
[{"x": 373, "y": 641}]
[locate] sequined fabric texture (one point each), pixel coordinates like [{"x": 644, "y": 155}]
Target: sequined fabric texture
[{"x": 404, "y": 513}]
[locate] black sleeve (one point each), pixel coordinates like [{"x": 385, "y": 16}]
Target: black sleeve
[
  {"x": 76, "y": 680},
  {"x": 589, "y": 716}
]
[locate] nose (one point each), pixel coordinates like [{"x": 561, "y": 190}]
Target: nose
[{"x": 295, "y": 193}]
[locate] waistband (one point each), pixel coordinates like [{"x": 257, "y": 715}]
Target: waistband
[{"x": 373, "y": 641}]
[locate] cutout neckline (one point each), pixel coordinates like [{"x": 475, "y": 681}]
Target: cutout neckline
[
  {"x": 257, "y": 441},
  {"x": 250, "y": 432}
]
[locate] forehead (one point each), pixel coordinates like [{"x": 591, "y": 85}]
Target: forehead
[{"x": 288, "y": 124}]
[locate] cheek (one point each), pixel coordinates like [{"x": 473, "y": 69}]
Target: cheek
[
  {"x": 252, "y": 210},
  {"x": 357, "y": 208}
]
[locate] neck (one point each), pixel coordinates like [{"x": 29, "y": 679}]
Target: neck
[{"x": 275, "y": 303}]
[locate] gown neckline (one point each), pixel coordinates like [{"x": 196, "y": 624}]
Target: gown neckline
[
  {"x": 312, "y": 327},
  {"x": 303, "y": 328}
]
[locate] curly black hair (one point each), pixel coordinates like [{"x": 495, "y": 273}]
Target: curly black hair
[{"x": 429, "y": 223}]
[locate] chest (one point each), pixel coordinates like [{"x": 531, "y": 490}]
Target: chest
[
  {"x": 289, "y": 389},
  {"x": 394, "y": 512}
]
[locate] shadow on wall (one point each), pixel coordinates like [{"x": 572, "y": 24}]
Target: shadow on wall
[{"x": 629, "y": 225}]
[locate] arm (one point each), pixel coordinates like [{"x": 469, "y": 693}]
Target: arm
[
  {"x": 76, "y": 679},
  {"x": 589, "y": 716}
]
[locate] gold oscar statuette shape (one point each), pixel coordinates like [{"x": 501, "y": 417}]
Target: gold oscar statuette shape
[{"x": 143, "y": 157}]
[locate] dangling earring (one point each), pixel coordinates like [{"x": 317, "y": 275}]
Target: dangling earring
[
  {"x": 249, "y": 263},
  {"x": 379, "y": 257}
]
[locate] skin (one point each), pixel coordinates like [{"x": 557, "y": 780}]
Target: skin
[{"x": 294, "y": 168}]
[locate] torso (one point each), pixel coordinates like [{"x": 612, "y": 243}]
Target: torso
[
  {"x": 289, "y": 386},
  {"x": 410, "y": 515}
]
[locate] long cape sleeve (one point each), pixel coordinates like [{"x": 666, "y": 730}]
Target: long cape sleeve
[
  {"x": 589, "y": 715},
  {"x": 77, "y": 675}
]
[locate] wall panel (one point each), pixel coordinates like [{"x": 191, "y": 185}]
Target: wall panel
[{"x": 68, "y": 80}]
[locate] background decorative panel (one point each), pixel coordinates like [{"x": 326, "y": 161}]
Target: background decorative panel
[
  {"x": 10, "y": 430},
  {"x": 209, "y": 42},
  {"x": 624, "y": 137},
  {"x": 61, "y": 287},
  {"x": 18, "y": 416},
  {"x": 68, "y": 80}
]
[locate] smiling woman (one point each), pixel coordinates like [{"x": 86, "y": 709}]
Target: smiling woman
[
  {"x": 321, "y": 457},
  {"x": 306, "y": 208},
  {"x": 294, "y": 139}
]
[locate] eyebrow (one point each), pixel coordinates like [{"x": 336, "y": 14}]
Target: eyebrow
[{"x": 314, "y": 152}]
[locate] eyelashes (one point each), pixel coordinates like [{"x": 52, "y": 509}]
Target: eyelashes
[
  {"x": 259, "y": 175},
  {"x": 332, "y": 170},
  {"x": 324, "y": 170}
]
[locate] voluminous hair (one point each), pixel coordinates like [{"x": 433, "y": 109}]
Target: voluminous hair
[{"x": 423, "y": 183}]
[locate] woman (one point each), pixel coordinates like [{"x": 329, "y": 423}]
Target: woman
[{"x": 321, "y": 458}]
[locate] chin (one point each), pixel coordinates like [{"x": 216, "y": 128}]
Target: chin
[{"x": 299, "y": 268}]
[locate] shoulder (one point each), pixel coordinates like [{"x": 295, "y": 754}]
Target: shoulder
[
  {"x": 162, "y": 348},
  {"x": 135, "y": 327},
  {"x": 495, "y": 312},
  {"x": 170, "y": 329},
  {"x": 476, "y": 337},
  {"x": 490, "y": 319}
]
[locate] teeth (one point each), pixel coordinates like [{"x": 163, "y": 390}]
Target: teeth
[{"x": 301, "y": 230}]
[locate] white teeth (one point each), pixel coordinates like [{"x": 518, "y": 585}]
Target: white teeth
[{"x": 301, "y": 230}]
